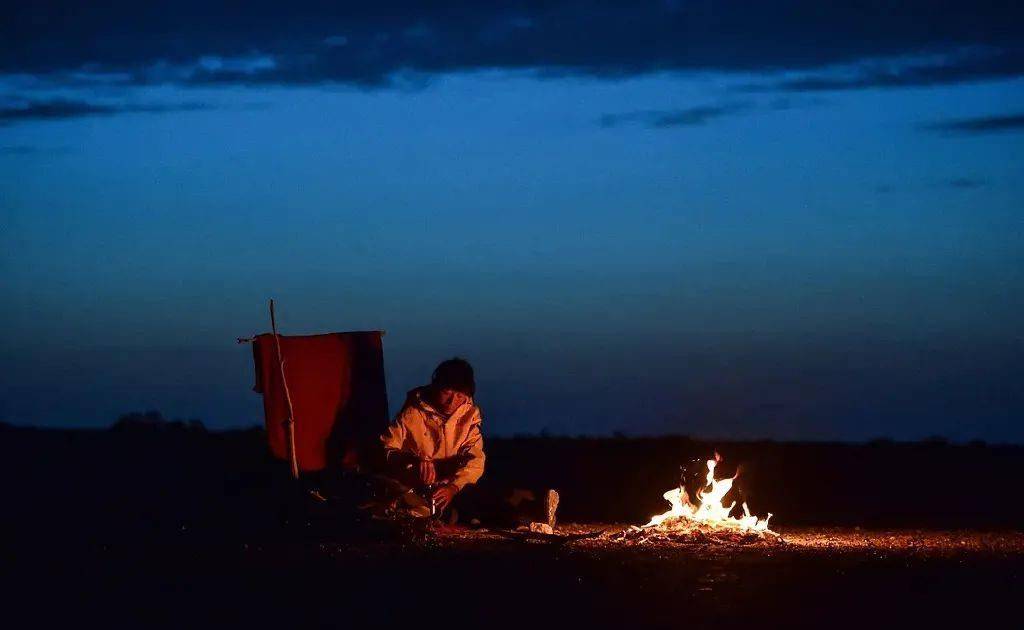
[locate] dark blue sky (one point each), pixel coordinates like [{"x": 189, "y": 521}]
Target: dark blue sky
[{"x": 788, "y": 220}]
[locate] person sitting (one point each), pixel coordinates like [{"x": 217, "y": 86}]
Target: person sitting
[{"x": 435, "y": 447}]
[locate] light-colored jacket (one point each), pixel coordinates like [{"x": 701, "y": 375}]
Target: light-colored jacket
[{"x": 425, "y": 432}]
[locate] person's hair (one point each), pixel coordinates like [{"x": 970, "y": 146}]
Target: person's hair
[{"x": 455, "y": 373}]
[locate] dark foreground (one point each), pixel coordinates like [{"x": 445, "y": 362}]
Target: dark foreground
[
  {"x": 185, "y": 530},
  {"x": 834, "y": 578}
]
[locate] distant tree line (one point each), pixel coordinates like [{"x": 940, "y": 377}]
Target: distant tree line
[{"x": 149, "y": 421}]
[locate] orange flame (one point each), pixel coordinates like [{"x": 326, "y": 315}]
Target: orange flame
[{"x": 709, "y": 511}]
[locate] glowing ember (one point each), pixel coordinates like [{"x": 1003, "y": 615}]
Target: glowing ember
[{"x": 709, "y": 511}]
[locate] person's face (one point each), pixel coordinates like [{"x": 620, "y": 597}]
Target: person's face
[{"x": 448, "y": 400}]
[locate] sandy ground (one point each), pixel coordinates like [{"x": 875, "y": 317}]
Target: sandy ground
[
  {"x": 918, "y": 543},
  {"x": 185, "y": 531},
  {"x": 458, "y": 578},
  {"x": 811, "y": 577}
]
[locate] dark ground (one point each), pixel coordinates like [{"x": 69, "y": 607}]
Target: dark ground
[{"x": 179, "y": 528}]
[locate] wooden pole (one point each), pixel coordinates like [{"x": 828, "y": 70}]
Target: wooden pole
[{"x": 289, "y": 423}]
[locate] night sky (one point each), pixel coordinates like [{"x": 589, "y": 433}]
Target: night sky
[{"x": 791, "y": 220}]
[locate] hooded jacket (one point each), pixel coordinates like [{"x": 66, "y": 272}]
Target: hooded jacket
[{"x": 421, "y": 430}]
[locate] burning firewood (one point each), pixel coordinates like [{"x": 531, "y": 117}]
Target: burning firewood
[
  {"x": 706, "y": 520},
  {"x": 551, "y": 507}
]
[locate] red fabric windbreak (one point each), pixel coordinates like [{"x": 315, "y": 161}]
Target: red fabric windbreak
[{"x": 338, "y": 394}]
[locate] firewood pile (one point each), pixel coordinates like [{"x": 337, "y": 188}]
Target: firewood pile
[{"x": 694, "y": 534}]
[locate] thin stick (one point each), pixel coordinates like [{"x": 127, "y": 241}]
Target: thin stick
[{"x": 289, "y": 423}]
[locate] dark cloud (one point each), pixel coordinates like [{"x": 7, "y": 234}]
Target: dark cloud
[
  {"x": 955, "y": 68},
  {"x": 57, "y": 109},
  {"x": 34, "y": 151},
  {"x": 966, "y": 182},
  {"x": 979, "y": 125},
  {"x": 17, "y": 150},
  {"x": 661, "y": 119},
  {"x": 370, "y": 43},
  {"x": 785, "y": 103},
  {"x": 700, "y": 115}
]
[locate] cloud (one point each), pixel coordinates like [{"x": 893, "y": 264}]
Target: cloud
[
  {"x": 369, "y": 44},
  {"x": 785, "y": 103},
  {"x": 335, "y": 40},
  {"x": 979, "y": 125},
  {"x": 30, "y": 150},
  {"x": 703, "y": 114},
  {"x": 17, "y": 150},
  {"x": 59, "y": 108},
  {"x": 662, "y": 119},
  {"x": 956, "y": 67},
  {"x": 966, "y": 182}
]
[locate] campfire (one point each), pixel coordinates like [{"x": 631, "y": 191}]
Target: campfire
[{"x": 709, "y": 518}]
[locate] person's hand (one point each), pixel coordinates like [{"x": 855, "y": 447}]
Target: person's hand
[
  {"x": 428, "y": 473},
  {"x": 444, "y": 495}
]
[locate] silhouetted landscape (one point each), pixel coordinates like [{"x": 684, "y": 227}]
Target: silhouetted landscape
[
  {"x": 146, "y": 474},
  {"x": 166, "y": 521}
]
